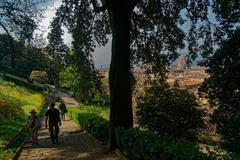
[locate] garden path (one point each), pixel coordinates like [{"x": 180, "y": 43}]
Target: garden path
[
  {"x": 68, "y": 100},
  {"x": 73, "y": 144}
]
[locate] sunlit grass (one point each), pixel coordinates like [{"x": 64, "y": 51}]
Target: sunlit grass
[
  {"x": 15, "y": 104},
  {"x": 102, "y": 111},
  {"x": 6, "y": 154}
]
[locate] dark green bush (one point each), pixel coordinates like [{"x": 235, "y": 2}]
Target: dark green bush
[
  {"x": 92, "y": 123},
  {"x": 223, "y": 86},
  {"x": 228, "y": 123},
  {"x": 145, "y": 145},
  {"x": 169, "y": 111}
]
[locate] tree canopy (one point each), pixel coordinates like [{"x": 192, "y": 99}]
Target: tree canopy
[{"x": 18, "y": 19}]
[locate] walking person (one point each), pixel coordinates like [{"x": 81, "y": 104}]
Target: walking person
[
  {"x": 53, "y": 121},
  {"x": 33, "y": 125},
  {"x": 63, "y": 110}
]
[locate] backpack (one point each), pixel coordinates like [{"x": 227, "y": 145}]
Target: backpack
[
  {"x": 34, "y": 122},
  {"x": 38, "y": 123}
]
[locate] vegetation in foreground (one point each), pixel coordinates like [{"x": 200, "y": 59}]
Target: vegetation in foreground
[
  {"x": 146, "y": 144},
  {"x": 93, "y": 119},
  {"x": 15, "y": 104}
]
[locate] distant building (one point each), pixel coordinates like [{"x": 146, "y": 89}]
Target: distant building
[
  {"x": 189, "y": 78},
  {"x": 181, "y": 65}
]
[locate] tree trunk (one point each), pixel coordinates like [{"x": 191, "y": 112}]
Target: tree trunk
[{"x": 119, "y": 75}]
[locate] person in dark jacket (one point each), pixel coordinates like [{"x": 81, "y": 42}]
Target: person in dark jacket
[
  {"x": 63, "y": 110},
  {"x": 53, "y": 121}
]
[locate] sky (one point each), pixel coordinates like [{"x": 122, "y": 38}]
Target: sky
[{"x": 101, "y": 56}]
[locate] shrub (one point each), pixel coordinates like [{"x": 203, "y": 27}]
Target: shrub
[
  {"x": 92, "y": 123},
  {"x": 141, "y": 145},
  {"x": 228, "y": 125},
  {"x": 6, "y": 154},
  {"x": 223, "y": 87},
  {"x": 9, "y": 110},
  {"x": 169, "y": 111}
]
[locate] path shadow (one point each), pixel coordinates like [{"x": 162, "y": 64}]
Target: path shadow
[{"x": 71, "y": 146}]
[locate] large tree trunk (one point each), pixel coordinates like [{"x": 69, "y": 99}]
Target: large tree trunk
[{"x": 119, "y": 75}]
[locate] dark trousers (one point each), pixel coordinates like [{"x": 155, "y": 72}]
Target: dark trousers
[{"x": 54, "y": 130}]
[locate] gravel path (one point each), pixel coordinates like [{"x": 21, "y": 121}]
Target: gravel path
[
  {"x": 73, "y": 144},
  {"x": 69, "y": 101}
]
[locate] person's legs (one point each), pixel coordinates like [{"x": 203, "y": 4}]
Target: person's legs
[
  {"x": 63, "y": 117},
  {"x": 56, "y": 132},
  {"x": 32, "y": 135},
  {"x": 36, "y": 136},
  {"x": 51, "y": 131}
]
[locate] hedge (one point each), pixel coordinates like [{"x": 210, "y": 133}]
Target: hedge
[
  {"x": 145, "y": 145},
  {"x": 92, "y": 123}
]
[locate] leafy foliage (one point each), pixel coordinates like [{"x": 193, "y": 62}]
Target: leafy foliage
[
  {"x": 78, "y": 60},
  {"x": 169, "y": 111},
  {"x": 28, "y": 57},
  {"x": 56, "y": 49},
  {"x": 9, "y": 110},
  {"x": 141, "y": 145},
  {"x": 6, "y": 154},
  {"x": 223, "y": 87},
  {"x": 81, "y": 81},
  {"x": 17, "y": 21},
  {"x": 17, "y": 16},
  {"x": 93, "y": 119}
]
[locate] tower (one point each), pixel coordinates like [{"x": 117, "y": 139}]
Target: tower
[{"x": 181, "y": 63}]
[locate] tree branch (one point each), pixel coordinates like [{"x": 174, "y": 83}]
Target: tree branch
[{"x": 10, "y": 40}]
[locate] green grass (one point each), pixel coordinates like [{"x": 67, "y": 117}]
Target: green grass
[
  {"x": 102, "y": 111},
  {"x": 15, "y": 104}
]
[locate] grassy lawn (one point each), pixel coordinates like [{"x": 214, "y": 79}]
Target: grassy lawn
[
  {"x": 102, "y": 111},
  {"x": 15, "y": 104}
]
